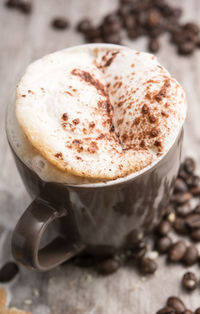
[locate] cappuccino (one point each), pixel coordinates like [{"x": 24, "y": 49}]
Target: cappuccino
[{"x": 95, "y": 113}]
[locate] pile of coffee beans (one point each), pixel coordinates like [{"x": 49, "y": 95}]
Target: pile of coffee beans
[
  {"x": 25, "y": 6},
  {"x": 150, "y": 18},
  {"x": 175, "y": 305}
]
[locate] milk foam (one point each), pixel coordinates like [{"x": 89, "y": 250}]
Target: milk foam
[{"x": 58, "y": 83}]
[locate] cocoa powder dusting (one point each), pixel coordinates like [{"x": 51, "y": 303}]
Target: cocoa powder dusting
[
  {"x": 154, "y": 132},
  {"x": 59, "y": 156}
]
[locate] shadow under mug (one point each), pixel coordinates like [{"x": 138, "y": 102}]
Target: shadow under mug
[{"x": 102, "y": 218}]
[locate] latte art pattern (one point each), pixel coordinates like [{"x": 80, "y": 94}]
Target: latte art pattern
[{"x": 99, "y": 112}]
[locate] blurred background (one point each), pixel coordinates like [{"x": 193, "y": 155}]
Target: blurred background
[{"x": 28, "y": 31}]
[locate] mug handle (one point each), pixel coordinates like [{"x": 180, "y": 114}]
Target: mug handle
[{"x": 28, "y": 234}]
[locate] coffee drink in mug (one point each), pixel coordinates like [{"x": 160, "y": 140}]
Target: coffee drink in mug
[{"x": 96, "y": 132}]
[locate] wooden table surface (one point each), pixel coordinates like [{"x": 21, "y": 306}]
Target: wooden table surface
[{"x": 68, "y": 289}]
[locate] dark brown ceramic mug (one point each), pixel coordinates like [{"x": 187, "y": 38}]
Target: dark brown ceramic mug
[{"x": 101, "y": 218}]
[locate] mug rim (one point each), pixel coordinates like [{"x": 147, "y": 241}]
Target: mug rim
[{"x": 101, "y": 184}]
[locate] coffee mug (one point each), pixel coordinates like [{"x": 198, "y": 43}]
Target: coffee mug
[{"x": 101, "y": 218}]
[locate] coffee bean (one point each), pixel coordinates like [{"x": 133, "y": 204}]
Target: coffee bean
[
  {"x": 197, "y": 209},
  {"x": 8, "y": 272},
  {"x": 163, "y": 228},
  {"x": 192, "y": 27},
  {"x": 180, "y": 226},
  {"x": 154, "y": 45},
  {"x": 181, "y": 198},
  {"x": 147, "y": 266},
  {"x": 180, "y": 186},
  {"x": 111, "y": 24},
  {"x": 183, "y": 174},
  {"x": 140, "y": 251},
  {"x": 189, "y": 165},
  {"x": 195, "y": 191},
  {"x": 195, "y": 235},
  {"x": 189, "y": 281},
  {"x": 25, "y": 6},
  {"x": 163, "y": 244},
  {"x": 197, "y": 311},
  {"x": 60, "y": 23},
  {"x": 166, "y": 310},
  {"x": 187, "y": 312},
  {"x": 184, "y": 210},
  {"x": 130, "y": 22},
  {"x": 177, "y": 251},
  {"x": 193, "y": 181},
  {"x": 177, "y": 304},
  {"x": 193, "y": 221},
  {"x": 114, "y": 38},
  {"x": 133, "y": 33},
  {"x": 191, "y": 255},
  {"x": 108, "y": 266},
  {"x": 166, "y": 10},
  {"x": 92, "y": 33},
  {"x": 84, "y": 25},
  {"x": 186, "y": 48}
]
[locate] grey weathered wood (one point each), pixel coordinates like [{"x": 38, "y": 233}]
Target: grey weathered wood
[{"x": 69, "y": 289}]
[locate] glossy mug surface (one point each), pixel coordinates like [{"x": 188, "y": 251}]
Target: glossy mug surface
[{"x": 101, "y": 218}]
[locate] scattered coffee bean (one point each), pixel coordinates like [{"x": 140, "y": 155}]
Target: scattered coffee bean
[
  {"x": 84, "y": 25},
  {"x": 25, "y": 6},
  {"x": 12, "y": 3},
  {"x": 184, "y": 210},
  {"x": 140, "y": 251},
  {"x": 195, "y": 191},
  {"x": 153, "y": 45},
  {"x": 191, "y": 255},
  {"x": 8, "y": 272},
  {"x": 163, "y": 228},
  {"x": 147, "y": 266},
  {"x": 108, "y": 266},
  {"x": 197, "y": 311},
  {"x": 186, "y": 48},
  {"x": 166, "y": 310},
  {"x": 189, "y": 165},
  {"x": 193, "y": 221},
  {"x": 181, "y": 198},
  {"x": 195, "y": 235},
  {"x": 180, "y": 226},
  {"x": 192, "y": 27},
  {"x": 60, "y": 23},
  {"x": 193, "y": 181},
  {"x": 177, "y": 251},
  {"x": 180, "y": 186},
  {"x": 163, "y": 244},
  {"x": 177, "y": 304},
  {"x": 189, "y": 281}
]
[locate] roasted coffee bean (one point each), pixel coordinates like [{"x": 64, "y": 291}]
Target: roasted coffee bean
[
  {"x": 177, "y": 304},
  {"x": 189, "y": 281},
  {"x": 130, "y": 22},
  {"x": 197, "y": 209},
  {"x": 84, "y": 25},
  {"x": 8, "y": 272},
  {"x": 154, "y": 45},
  {"x": 189, "y": 165},
  {"x": 193, "y": 221},
  {"x": 187, "y": 312},
  {"x": 197, "y": 311},
  {"x": 153, "y": 18},
  {"x": 163, "y": 244},
  {"x": 177, "y": 251},
  {"x": 184, "y": 210},
  {"x": 186, "y": 48},
  {"x": 195, "y": 191},
  {"x": 180, "y": 186},
  {"x": 25, "y": 6},
  {"x": 140, "y": 251},
  {"x": 195, "y": 235},
  {"x": 163, "y": 228},
  {"x": 193, "y": 181},
  {"x": 177, "y": 36},
  {"x": 183, "y": 174},
  {"x": 192, "y": 27},
  {"x": 60, "y": 23},
  {"x": 191, "y": 255},
  {"x": 108, "y": 266},
  {"x": 166, "y": 310},
  {"x": 180, "y": 226},
  {"x": 93, "y": 33},
  {"x": 166, "y": 10},
  {"x": 147, "y": 265},
  {"x": 111, "y": 24},
  {"x": 133, "y": 33},
  {"x": 181, "y": 198}
]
